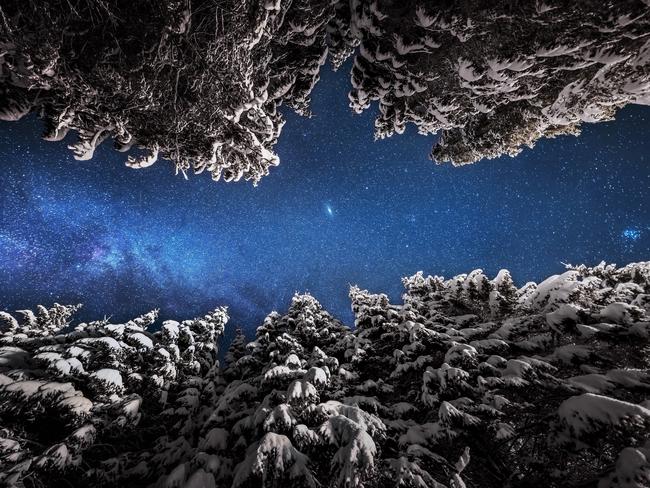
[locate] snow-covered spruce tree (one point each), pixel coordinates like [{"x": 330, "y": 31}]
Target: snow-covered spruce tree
[
  {"x": 197, "y": 82},
  {"x": 529, "y": 397},
  {"x": 105, "y": 404},
  {"x": 494, "y": 77},
  {"x": 469, "y": 382},
  {"x": 473, "y": 382},
  {"x": 283, "y": 422},
  {"x": 236, "y": 351}
]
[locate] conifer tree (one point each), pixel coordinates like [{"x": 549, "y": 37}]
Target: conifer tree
[
  {"x": 549, "y": 390},
  {"x": 200, "y": 83}
]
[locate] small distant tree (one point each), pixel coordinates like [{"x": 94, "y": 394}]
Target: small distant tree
[{"x": 236, "y": 351}]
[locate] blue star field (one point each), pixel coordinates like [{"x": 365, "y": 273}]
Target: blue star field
[{"x": 340, "y": 209}]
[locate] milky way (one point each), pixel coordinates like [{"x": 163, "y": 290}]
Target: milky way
[{"x": 340, "y": 209}]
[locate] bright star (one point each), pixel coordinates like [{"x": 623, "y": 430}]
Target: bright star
[
  {"x": 328, "y": 209},
  {"x": 631, "y": 234}
]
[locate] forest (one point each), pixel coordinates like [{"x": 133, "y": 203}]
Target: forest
[
  {"x": 468, "y": 382},
  {"x": 201, "y": 83}
]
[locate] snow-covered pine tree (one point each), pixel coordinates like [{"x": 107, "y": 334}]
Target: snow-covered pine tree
[
  {"x": 510, "y": 380},
  {"x": 199, "y": 83},
  {"x": 282, "y": 421},
  {"x": 493, "y": 78},
  {"x": 236, "y": 351},
  {"x": 551, "y": 390},
  {"x": 80, "y": 406}
]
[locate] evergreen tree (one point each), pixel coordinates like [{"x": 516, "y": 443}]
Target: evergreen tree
[
  {"x": 92, "y": 404},
  {"x": 200, "y": 83},
  {"x": 236, "y": 351},
  {"x": 545, "y": 386}
]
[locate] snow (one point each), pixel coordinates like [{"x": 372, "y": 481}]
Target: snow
[
  {"x": 423, "y": 20},
  {"x": 517, "y": 368},
  {"x": 364, "y": 420},
  {"x": 9, "y": 445},
  {"x": 356, "y": 451},
  {"x": 564, "y": 313},
  {"x": 583, "y": 413},
  {"x": 84, "y": 148},
  {"x": 78, "y": 405},
  {"x": 13, "y": 357},
  {"x": 554, "y": 290},
  {"x": 403, "y": 48},
  {"x": 115, "y": 330},
  {"x": 369, "y": 404},
  {"x": 460, "y": 352},
  {"x": 280, "y": 418},
  {"x": 85, "y": 435},
  {"x": 421, "y": 434},
  {"x": 75, "y": 365},
  {"x": 14, "y": 110},
  {"x": 282, "y": 372},
  {"x": 630, "y": 378},
  {"x": 487, "y": 346},
  {"x": 215, "y": 439},
  {"x": 200, "y": 479},
  {"x": 620, "y": 313},
  {"x": 55, "y": 457},
  {"x": 592, "y": 383},
  {"x": 504, "y": 431},
  {"x": 632, "y": 469},
  {"x": 402, "y": 408},
  {"x": 143, "y": 161},
  {"x": 570, "y": 353},
  {"x": 273, "y": 454},
  {"x": 171, "y": 329},
  {"x": 76, "y": 351},
  {"x": 301, "y": 391},
  {"x": 109, "y": 375},
  {"x": 317, "y": 376},
  {"x": 292, "y": 361},
  {"x": 131, "y": 407},
  {"x": 7, "y": 322},
  {"x": 25, "y": 388},
  {"x": 142, "y": 340},
  {"x": 176, "y": 478},
  {"x": 108, "y": 342},
  {"x": 463, "y": 461},
  {"x": 410, "y": 474}
]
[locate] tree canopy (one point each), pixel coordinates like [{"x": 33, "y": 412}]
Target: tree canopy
[{"x": 200, "y": 82}]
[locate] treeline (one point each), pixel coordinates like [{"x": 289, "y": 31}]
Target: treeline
[{"x": 469, "y": 382}]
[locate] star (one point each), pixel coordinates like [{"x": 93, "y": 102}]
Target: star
[
  {"x": 631, "y": 234},
  {"x": 328, "y": 209}
]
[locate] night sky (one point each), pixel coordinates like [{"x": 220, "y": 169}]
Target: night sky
[{"x": 340, "y": 209}]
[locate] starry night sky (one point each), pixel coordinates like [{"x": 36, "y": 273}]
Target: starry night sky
[{"x": 340, "y": 209}]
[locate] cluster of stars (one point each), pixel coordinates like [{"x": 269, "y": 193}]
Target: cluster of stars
[{"x": 631, "y": 234}]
